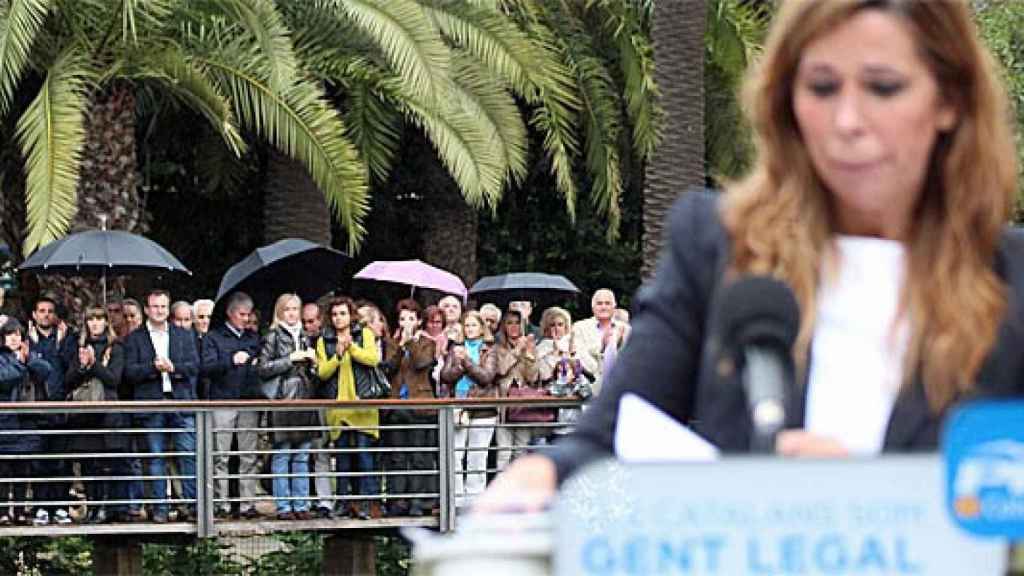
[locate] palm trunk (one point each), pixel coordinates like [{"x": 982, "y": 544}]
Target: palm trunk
[
  {"x": 678, "y": 163},
  {"x": 450, "y": 234},
  {"x": 295, "y": 207},
  {"x": 108, "y": 190}
]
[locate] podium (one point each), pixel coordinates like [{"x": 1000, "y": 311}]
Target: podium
[{"x": 751, "y": 515}]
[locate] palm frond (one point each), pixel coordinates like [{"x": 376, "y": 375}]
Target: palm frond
[
  {"x": 189, "y": 83},
  {"x": 462, "y": 147},
  {"x": 373, "y": 125},
  {"x": 302, "y": 124},
  {"x": 557, "y": 114},
  {"x": 602, "y": 128},
  {"x": 406, "y": 36},
  {"x": 20, "y": 22},
  {"x": 51, "y": 134},
  {"x": 146, "y": 11},
  {"x": 481, "y": 95},
  {"x": 495, "y": 40},
  {"x": 261, "y": 19}
]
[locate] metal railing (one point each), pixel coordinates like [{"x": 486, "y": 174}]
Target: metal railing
[{"x": 427, "y": 462}]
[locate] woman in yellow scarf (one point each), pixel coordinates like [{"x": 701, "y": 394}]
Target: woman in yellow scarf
[{"x": 342, "y": 344}]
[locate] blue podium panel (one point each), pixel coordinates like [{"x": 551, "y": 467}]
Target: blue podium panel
[
  {"x": 984, "y": 447},
  {"x": 766, "y": 516}
]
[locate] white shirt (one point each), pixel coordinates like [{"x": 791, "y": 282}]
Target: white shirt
[
  {"x": 162, "y": 346},
  {"x": 857, "y": 352}
]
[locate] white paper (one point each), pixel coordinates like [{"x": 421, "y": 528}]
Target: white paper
[{"x": 645, "y": 433}]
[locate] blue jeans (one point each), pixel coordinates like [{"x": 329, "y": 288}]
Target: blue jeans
[
  {"x": 357, "y": 462},
  {"x": 298, "y": 486},
  {"x": 182, "y": 442}
]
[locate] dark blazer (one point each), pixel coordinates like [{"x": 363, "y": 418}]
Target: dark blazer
[
  {"x": 228, "y": 381},
  {"x": 669, "y": 358},
  {"x": 145, "y": 380}
]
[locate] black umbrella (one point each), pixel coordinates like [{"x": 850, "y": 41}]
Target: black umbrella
[
  {"x": 290, "y": 265},
  {"x": 102, "y": 252},
  {"x": 532, "y": 286},
  {"x": 99, "y": 252}
]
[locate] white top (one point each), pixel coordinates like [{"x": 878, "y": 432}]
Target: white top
[
  {"x": 857, "y": 352},
  {"x": 162, "y": 346}
]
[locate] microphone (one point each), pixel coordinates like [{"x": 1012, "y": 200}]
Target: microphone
[{"x": 758, "y": 320}]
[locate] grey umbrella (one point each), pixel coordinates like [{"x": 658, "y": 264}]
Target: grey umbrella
[
  {"x": 99, "y": 252},
  {"x": 531, "y": 286}
]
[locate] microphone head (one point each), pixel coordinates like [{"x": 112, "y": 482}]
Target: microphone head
[{"x": 758, "y": 311}]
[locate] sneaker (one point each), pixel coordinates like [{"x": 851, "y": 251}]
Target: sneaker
[
  {"x": 42, "y": 518},
  {"x": 160, "y": 518},
  {"x": 251, "y": 514},
  {"x": 324, "y": 512},
  {"x": 62, "y": 517},
  {"x": 5, "y": 520}
]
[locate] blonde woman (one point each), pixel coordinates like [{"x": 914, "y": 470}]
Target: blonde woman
[
  {"x": 286, "y": 364},
  {"x": 469, "y": 371},
  {"x": 884, "y": 179}
]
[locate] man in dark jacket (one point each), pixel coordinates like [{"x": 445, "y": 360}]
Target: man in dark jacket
[
  {"x": 161, "y": 363},
  {"x": 229, "y": 360},
  {"x": 50, "y": 338}
]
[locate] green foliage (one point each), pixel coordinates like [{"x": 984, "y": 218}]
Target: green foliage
[
  {"x": 231, "y": 60},
  {"x": 1001, "y": 23},
  {"x": 207, "y": 556},
  {"x": 393, "y": 556},
  {"x": 301, "y": 554},
  {"x": 733, "y": 39},
  {"x": 68, "y": 556}
]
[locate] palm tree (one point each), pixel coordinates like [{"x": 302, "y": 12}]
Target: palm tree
[
  {"x": 471, "y": 76},
  {"x": 678, "y": 162},
  {"x": 231, "y": 60}
]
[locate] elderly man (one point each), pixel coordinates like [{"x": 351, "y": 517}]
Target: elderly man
[
  {"x": 492, "y": 317},
  {"x": 202, "y": 310},
  {"x": 452, "y": 308},
  {"x": 230, "y": 353},
  {"x": 181, "y": 314},
  {"x": 600, "y": 336}
]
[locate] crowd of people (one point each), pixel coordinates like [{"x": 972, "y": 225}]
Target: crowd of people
[{"x": 322, "y": 461}]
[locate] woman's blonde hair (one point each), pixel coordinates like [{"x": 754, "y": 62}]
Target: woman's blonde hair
[
  {"x": 549, "y": 316},
  {"x": 279, "y": 305},
  {"x": 780, "y": 218},
  {"x": 485, "y": 332}
]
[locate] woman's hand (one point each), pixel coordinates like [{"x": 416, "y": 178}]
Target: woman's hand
[
  {"x": 803, "y": 444},
  {"x": 527, "y": 485}
]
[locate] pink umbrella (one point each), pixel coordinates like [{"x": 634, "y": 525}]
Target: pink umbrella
[{"x": 415, "y": 273}]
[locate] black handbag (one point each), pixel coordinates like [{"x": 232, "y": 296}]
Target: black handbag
[{"x": 371, "y": 382}]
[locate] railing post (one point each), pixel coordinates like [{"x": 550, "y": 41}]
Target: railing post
[
  {"x": 446, "y": 467},
  {"x": 204, "y": 474}
]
